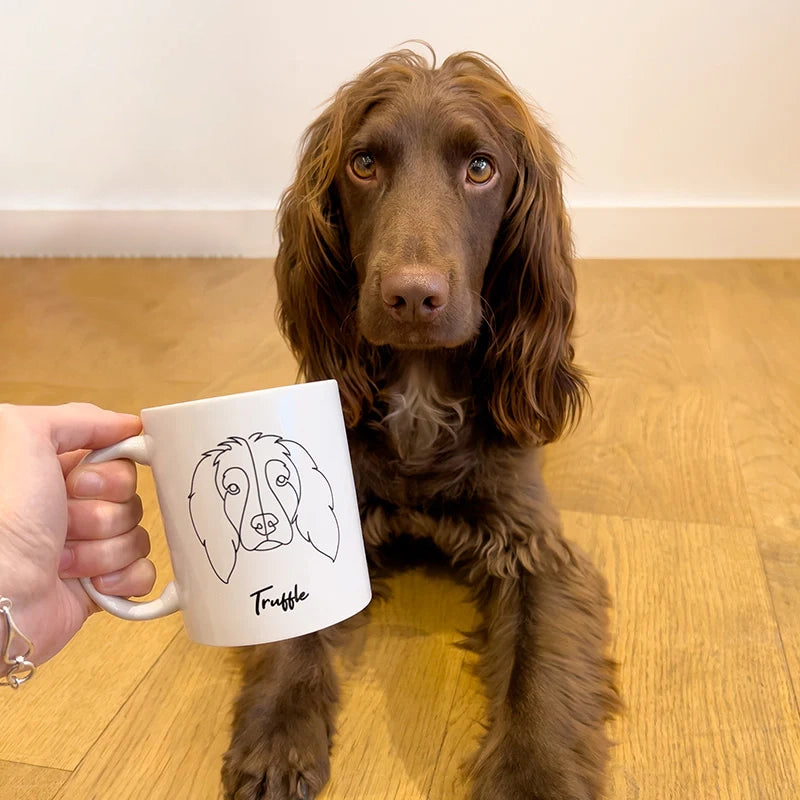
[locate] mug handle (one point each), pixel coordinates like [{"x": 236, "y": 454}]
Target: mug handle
[{"x": 134, "y": 449}]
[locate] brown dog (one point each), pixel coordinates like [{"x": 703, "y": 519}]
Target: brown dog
[{"x": 426, "y": 264}]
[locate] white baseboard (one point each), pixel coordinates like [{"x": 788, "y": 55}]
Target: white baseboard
[
  {"x": 600, "y": 232},
  {"x": 687, "y": 231},
  {"x": 245, "y": 233}
]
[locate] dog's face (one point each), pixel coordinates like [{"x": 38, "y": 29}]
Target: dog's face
[
  {"x": 423, "y": 186},
  {"x": 259, "y": 487},
  {"x": 427, "y": 213},
  {"x": 254, "y": 494}
]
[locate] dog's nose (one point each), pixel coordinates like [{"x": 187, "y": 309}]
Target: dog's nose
[
  {"x": 414, "y": 296},
  {"x": 264, "y": 524}
]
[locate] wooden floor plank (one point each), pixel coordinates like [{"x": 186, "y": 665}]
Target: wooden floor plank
[
  {"x": 29, "y": 782},
  {"x": 710, "y": 707},
  {"x": 463, "y": 734},
  {"x": 643, "y": 321},
  {"x": 649, "y": 452},
  {"x": 754, "y": 314},
  {"x": 138, "y": 333},
  {"x": 780, "y": 550},
  {"x": 730, "y": 765},
  {"x": 700, "y": 647},
  {"x": 167, "y": 740},
  {"x": 765, "y": 425},
  {"x": 753, "y": 322}
]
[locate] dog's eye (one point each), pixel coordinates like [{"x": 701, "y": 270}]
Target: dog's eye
[
  {"x": 480, "y": 169},
  {"x": 363, "y": 165},
  {"x": 232, "y": 479}
]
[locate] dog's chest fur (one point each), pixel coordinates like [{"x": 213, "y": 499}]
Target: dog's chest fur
[
  {"x": 418, "y": 448},
  {"x": 424, "y": 417}
]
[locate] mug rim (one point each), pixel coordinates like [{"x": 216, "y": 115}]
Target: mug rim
[{"x": 292, "y": 387}]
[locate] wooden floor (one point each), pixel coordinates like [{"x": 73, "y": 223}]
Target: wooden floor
[{"x": 683, "y": 482}]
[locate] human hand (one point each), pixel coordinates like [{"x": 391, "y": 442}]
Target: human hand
[{"x": 60, "y": 521}]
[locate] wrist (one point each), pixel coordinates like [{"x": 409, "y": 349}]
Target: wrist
[
  {"x": 21, "y": 580},
  {"x": 38, "y": 607}
]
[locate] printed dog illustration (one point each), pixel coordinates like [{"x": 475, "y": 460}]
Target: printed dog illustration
[{"x": 255, "y": 493}]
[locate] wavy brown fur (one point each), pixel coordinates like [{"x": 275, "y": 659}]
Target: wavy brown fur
[
  {"x": 446, "y": 398},
  {"x": 530, "y": 382}
]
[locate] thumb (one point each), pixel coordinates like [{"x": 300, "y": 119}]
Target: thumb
[{"x": 77, "y": 426}]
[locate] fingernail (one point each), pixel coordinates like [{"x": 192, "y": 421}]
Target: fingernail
[
  {"x": 110, "y": 581},
  {"x": 67, "y": 557},
  {"x": 88, "y": 484}
]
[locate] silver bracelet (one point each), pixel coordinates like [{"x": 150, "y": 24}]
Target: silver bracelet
[{"x": 20, "y": 667}]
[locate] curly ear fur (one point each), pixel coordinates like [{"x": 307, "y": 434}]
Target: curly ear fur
[
  {"x": 317, "y": 282},
  {"x": 215, "y": 531},
  {"x": 535, "y": 390},
  {"x": 315, "y": 519}
]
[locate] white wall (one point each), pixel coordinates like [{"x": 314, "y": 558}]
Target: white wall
[{"x": 197, "y": 105}]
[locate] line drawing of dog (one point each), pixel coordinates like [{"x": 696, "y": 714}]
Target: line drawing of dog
[{"x": 256, "y": 493}]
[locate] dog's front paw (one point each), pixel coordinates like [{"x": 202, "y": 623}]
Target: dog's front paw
[{"x": 281, "y": 758}]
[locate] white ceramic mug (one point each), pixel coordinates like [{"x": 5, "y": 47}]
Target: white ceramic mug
[{"x": 260, "y": 513}]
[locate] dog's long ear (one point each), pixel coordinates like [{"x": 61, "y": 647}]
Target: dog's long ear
[
  {"x": 316, "y": 278},
  {"x": 315, "y": 520},
  {"x": 536, "y": 391},
  {"x": 213, "y": 528}
]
